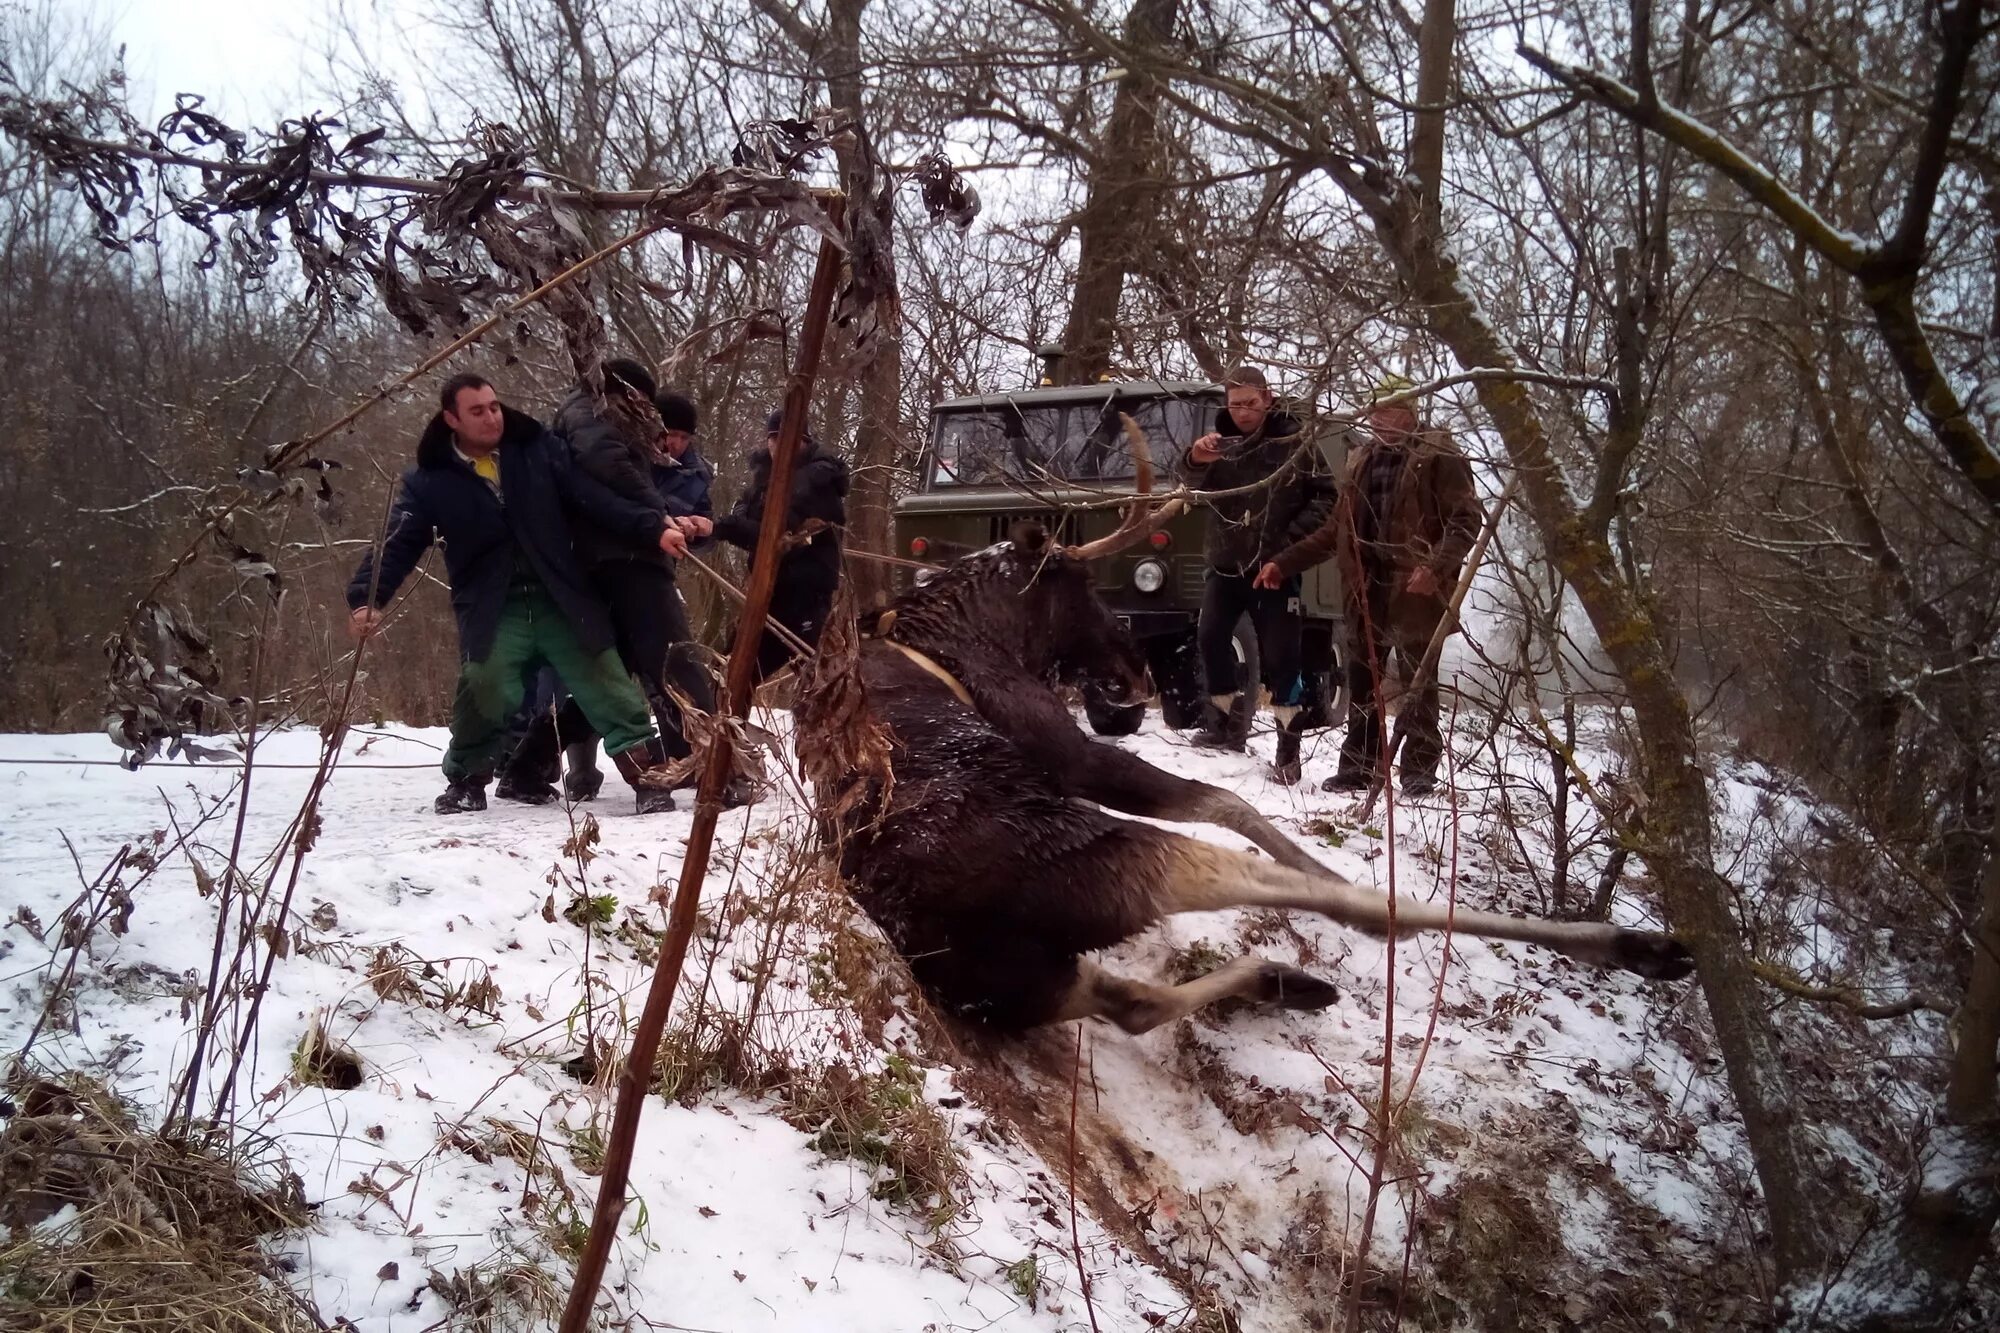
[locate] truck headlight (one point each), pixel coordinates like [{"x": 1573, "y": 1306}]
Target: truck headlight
[{"x": 1149, "y": 576}]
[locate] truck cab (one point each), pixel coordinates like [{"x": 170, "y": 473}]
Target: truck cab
[{"x": 1047, "y": 454}]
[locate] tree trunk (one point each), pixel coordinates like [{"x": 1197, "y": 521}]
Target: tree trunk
[
  {"x": 1909, "y": 1275},
  {"x": 1677, "y": 836},
  {"x": 877, "y": 355},
  {"x": 1121, "y": 202},
  {"x": 871, "y": 222}
]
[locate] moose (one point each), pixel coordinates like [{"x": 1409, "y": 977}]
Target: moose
[{"x": 988, "y": 857}]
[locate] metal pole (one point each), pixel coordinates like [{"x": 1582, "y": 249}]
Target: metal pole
[{"x": 635, "y": 1081}]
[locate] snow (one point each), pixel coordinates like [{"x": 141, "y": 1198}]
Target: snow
[{"x": 1240, "y": 1133}]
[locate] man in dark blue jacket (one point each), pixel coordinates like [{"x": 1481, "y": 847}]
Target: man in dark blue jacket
[{"x": 495, "y": 488}]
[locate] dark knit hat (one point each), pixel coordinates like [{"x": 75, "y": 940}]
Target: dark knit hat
[
  {"x": 624, "y": 370},
  {"x": 677, "y": 411}
]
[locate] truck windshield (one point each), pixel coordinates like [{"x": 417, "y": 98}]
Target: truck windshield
[{"x": 1033, "y": 444}]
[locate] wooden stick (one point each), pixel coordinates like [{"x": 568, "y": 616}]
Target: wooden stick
[{"x": 635, "y": 1081}]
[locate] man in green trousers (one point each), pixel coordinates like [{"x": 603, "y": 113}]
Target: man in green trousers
[{"x": 496, "y": 489}]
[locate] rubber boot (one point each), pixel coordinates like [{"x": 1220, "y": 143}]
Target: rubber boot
[
  {"x": 462, "y": 795},
  {"x": 584, "y": 779},
  {"x": 739, "y": 791},
  {"x": 1220, "y": 730},
  {"x": 639, "y": 766},
  {"x": 1286, "y": 768},
  {"x": 525, "y": 790}
]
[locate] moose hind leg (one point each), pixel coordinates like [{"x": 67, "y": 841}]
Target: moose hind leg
[
  {"x": 1140, "y": 1006},
  {"x": 1205, "y": 878}
]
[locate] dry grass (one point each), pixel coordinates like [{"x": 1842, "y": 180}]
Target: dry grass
[
  {"x": 161, "y": 1237},
  {"x": 882, "y": 1120},
  {"x": 322, "y": 1061}
]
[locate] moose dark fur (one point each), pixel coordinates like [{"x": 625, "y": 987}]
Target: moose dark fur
[{"x": 995, "y": 869}]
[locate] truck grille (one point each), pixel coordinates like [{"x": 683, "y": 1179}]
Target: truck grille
[
  {"x": 1194, "y": 581},
  {"x": 1000, "y": 526}
]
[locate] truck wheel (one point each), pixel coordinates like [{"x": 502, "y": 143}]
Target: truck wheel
[
  {"x": 1249, "y": 677},
  {"x": 1326, "y": 697},
  {"x": 1184, "y": 687},
  {"x": 1108, "y": 719}
]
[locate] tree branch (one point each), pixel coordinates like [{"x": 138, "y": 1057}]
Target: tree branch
[
  {"x": 1842, "y": 248},
  {"x": 1960, "y": 32},
  {"x": 1847, "y": 997}
]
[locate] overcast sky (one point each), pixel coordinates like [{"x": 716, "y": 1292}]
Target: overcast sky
[{"x": 255, "y": 62}]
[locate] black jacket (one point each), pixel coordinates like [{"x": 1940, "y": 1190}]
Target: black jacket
[
  {"x": 623, "y": 467},
  {"x": 819, "y": 490},
  {"x": 486, "y": 542},
  {"x": 1247, "y": 529}
]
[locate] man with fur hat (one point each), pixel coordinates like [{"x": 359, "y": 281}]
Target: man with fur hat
[{"x": 499, "y": 492}]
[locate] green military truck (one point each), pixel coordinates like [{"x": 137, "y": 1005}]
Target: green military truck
[{"x": 997, "y": 459}]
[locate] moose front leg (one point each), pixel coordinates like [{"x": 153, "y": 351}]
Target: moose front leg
[
  {"x": 1121, "y": 781},
  {"x": 1139, "y": 1006}
]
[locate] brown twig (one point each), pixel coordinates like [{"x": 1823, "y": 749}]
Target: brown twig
[
  {"x": 1075, "y": 1236},
  {"x": 636, "y": 1078},
  {"x": 1847, "y": 997}
]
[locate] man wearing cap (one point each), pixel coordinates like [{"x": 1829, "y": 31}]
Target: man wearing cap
[
  {"x": 1401, "y": 530},
  {"x": 1275, "y": 488},
  {"x": 809, "y": 571},
  {"x": 654, "y": 631}
]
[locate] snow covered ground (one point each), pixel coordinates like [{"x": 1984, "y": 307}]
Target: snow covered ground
[{"x": 1560, "y": 1117}]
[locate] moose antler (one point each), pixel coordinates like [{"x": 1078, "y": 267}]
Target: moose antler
[{"x": 1141, "y": 518}]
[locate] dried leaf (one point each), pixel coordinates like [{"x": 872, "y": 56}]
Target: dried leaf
[
  {"x": 27, "y": 920},
  {"x": 388, "y": 1272}
]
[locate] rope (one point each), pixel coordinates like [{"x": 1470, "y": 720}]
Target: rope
[
  {"x": 209, "y": 764},
  {"x": 790, "y": 640}
]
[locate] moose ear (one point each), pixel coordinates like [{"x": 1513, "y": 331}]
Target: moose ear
[{"x": 1029, "y": 537}]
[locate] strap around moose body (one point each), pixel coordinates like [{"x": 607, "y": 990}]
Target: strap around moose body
[{"x": 928, "y": 665}]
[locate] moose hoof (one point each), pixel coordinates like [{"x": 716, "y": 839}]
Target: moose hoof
[
  {"x": 1661, "y": 957},
  {"x": 1291, "y": 988}
]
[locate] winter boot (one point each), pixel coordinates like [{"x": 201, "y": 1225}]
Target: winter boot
[
  {"x": 1346, "y": 778},
  {"x": 461, "y": 795},
  {"x": 527, "y": 791},
  {"x": 1220, "y": 730},
  {"x": 1419, "y": 784},
  {"x": 1286, "y": 768},
  {"x": 639, "y": 766},
  {"x": 584, "y": 778},
  {"x": 739, "y": 791}
]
